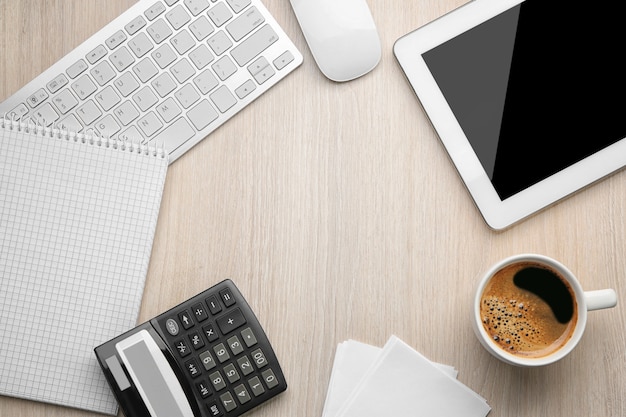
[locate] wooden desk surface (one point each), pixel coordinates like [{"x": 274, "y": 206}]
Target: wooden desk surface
[{"x": 337, "y": 212}]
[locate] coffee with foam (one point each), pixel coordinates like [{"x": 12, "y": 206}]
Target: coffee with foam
[{"x": 528, "y": 309}]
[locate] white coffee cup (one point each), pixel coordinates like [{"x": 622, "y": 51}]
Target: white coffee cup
[{"x": 487, "y": 324}]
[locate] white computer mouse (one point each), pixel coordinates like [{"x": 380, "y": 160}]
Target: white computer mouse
[{"x": 342, "y": 36}]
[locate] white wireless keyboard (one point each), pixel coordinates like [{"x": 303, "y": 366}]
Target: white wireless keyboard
[{"x": 165, "y": 73}]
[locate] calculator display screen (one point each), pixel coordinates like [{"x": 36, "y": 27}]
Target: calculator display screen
[{"x": 536, "y": 88}]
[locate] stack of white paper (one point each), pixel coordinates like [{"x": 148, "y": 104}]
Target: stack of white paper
[{"x": 395, "y": 381}]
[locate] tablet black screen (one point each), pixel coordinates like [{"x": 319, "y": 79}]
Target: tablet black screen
[{"x": 536, "y": 88}]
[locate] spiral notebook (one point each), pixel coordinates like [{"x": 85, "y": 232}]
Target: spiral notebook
[{"x": 78, "y": 215}]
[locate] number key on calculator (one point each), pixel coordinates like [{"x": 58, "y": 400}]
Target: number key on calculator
[{"x": 208, "y": 357}]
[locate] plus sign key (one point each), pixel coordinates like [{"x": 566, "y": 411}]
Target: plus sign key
[{"x": 230, "y": 321}]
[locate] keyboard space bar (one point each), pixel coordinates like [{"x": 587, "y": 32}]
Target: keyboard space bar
[{"x": 174, "y": 135}]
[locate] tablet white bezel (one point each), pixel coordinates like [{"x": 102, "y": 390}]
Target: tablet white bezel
[{"x": 498, "y": 214}]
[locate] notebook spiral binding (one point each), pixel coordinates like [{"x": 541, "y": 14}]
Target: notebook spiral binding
[{"x": 90, "y": 136}]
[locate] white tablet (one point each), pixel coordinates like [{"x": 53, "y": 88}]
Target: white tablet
[{"x": 526, "y": 96}]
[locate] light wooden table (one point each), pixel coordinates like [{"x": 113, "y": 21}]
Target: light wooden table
[{"x": 338, "y": 214}]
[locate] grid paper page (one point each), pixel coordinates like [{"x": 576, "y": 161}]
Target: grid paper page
[{"x": 77, "y": 222}]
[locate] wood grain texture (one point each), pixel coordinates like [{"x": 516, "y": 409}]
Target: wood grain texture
[{"x": 338, "y": 214}]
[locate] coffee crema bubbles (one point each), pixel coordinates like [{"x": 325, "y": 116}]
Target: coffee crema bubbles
[{"x": 528, "y": 310}]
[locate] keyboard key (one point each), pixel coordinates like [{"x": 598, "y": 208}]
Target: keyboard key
[
  {"x": 164, "y": 55},
  {"x": 245, "y": 24},
  {"x": 18, "y": 111},
  {"x": 159, "y": 31},
  {"x": 122, "y": 59},
  {"x": 126, "y": 84},
  {"x": 126, "y": 113},
  {"x": 220, "y": 43},
  {"x": 205, "y": 81},
  {"x": 145, "y": 70},
  {"x": 149, "y": 125},
  {"x": 70, "y": 123},
  {"x": 103, "y": 73},
  {"x": 224, "y": 67},
  {"x": 168, "y": 110},
  {"x": 244, "y": 89},
  {"x": 134, "y": 25},
  {"x": 283, "y": 60},
  {"x": 163, "y": 84},
  {"x": 45, "y": 114},
  {"x": 196, "y": 6},
  {"x": 182, "y": 70},
  {"x": 96, "y": 54},
  {"x": 238, "y": 5},
  {"x": 140, "y": 45},
  {"x": 116, "y": 40},
  {"x": 219, "y": 14},
  {"x": 183, "y": 42},
  {"x": 254, "y": 45},
  {"x": 265, "y": 74},
  {"x": 174, "y": 135},
  {"x": 155, "y": 10},
  {"x": 107, "y": 126},
  {"x": 65, "y": 101},
  {"x": 37, "y": 98},
  {"x": 88, "y": 112},
  {"x": 178, "y": 17},
  {"x": 131, "y": 135},
  {"x": 84, "y": 87},
  {"x": 201, "y": 28},
  {"x": 187, "y": 96},
  {"x": 56, "y": 83},
  {"x": 202, "y": 115},
  {"x": 107, "y": 98},
  {"x": 76, "y": 69},
  {"x": 223, "y": 98},
  {"x": 201, "y": 56},
  {"x": 145, "y": 98}
]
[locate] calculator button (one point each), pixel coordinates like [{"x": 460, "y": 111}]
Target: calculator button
[
  {"x": 203, "y": 389},
  {"x": 235, "y": 345},
  {"x": 221, "y": 352},
  {"x": 214, "y": 305},
  {"x": 214, "y": 410},
  {"x": 256, "y": 386},
  {"x": 196, "y": 340},
  {"x": 259, "y": 358},
  {"x": 248, "y": 337},
  {"x": 242, "y": 394},
  {"x": 231, "y": 373},
  {"x": 228, "y": 401},
  {"x": 182, "y": 348},
  {"x": 172, "y": 327},
  {"x": 217, "y": 380},
  {"x": 245, "y": 365},
  {"x": 270, "y": 378},
  {"x": 229, "y": 322},
  {"x": 207, "y": 360},
  {"x": 186, "y": 320},
  {"x": 210, "y": 333},
  {"x": 227, "y": 297},
  {"x": 192, "y": 368},
  {"x": 200, "y": 312}
]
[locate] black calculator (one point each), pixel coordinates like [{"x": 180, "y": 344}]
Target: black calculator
[{"x": 206, "y": 357}]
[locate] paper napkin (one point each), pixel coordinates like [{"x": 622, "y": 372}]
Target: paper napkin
[{"x": 368, "y": 381}]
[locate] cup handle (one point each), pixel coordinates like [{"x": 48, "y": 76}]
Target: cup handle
[{"x": 599, "y": 299}]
